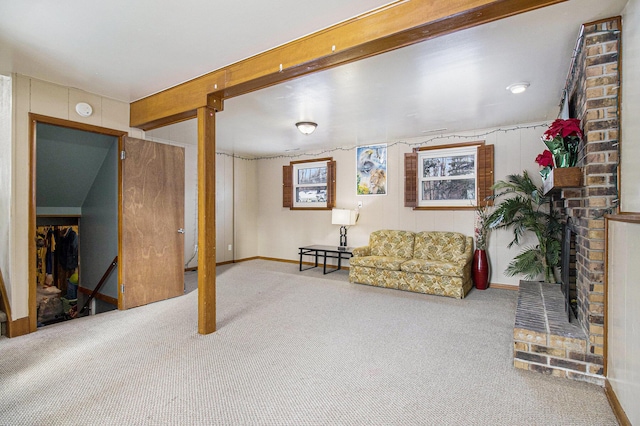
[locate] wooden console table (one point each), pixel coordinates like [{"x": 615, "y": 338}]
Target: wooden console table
[{"x": 331, "y": 252}]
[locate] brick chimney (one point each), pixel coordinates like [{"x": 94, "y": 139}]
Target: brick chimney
[{"x": 577, "y": 351}]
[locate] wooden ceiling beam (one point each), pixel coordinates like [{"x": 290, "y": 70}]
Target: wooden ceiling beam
[{"x": 391, "y": 27}]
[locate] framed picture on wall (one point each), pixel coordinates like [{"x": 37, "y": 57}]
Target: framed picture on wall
[{"x": 371, "y": 170}]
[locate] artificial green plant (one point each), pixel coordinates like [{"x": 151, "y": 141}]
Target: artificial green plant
[{"x": 525, "y": 209}]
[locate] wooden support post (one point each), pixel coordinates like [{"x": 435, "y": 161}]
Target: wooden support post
[{"x": 206, "y": 220}]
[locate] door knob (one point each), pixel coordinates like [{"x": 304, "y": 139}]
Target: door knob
[{"x": 181, "y": 231}]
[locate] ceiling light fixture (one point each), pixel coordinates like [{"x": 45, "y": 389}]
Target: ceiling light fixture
[
  {"x": 518, "y": 87},
  {"x": 306, "y": 127}
]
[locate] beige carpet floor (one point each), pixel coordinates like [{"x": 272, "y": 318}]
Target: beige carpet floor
[{"x": 292, "y": 348}]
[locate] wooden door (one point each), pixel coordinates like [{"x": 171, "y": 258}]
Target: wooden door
[{"x": 152, "y": 222}]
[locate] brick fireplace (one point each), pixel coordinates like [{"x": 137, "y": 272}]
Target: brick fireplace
[{"x": 545, "y": 341}]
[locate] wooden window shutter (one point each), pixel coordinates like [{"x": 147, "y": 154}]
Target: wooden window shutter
[
  {"x": 411, "y": 179},
  {"x": 485, "y": 174},
  {"x": 331, "y": 184},
  {"x": 287, "y": 186}
]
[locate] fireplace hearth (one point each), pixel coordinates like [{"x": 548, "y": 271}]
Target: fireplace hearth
[{"x": 545, "y": 342}]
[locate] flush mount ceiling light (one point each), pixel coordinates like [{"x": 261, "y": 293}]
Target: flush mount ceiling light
[
  {"x": 306, "y": 127},
  {"x": 518, "y": 87}
]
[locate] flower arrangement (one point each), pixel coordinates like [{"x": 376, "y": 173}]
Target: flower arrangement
[
  {"x": 481, "y": 227},
  {"x": 545, "y": 160},
  {"x": 562, "y": 138}
]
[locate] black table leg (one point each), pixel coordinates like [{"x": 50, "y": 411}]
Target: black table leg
[
  {"x": 308, "y": 252},
  {"x": 325, "y": 264}
]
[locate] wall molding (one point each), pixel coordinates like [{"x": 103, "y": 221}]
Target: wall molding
[
  {"x": 621, "y": 416},
  {"x": 19, "y": 327}
]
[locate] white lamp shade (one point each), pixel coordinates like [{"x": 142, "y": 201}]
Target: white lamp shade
[{"x": 343, "y": 217}]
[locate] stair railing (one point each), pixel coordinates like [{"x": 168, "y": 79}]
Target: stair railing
[{"x": 85, "y": 307}]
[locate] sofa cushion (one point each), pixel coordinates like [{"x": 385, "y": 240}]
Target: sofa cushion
[
  {"x": 390, "y": 243},
  {"x": 378, "y": 262},
  {"x": 440, "y": 246},
  {"x": 433, "y": 267}
]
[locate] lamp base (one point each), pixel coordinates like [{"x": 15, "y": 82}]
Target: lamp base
[
  {"x": 342, "y": 248},
  {"x": 343, "y": 238}
]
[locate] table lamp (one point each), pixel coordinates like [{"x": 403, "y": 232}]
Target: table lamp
[{"x": 344, "y": 218}]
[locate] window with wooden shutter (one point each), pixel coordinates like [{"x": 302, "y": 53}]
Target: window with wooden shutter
[
  {"x": 309, "y": 184},
  {"x": 457, "y": 176}
]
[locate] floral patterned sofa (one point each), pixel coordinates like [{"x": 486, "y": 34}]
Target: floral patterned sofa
[{"x": 424, "y": 262}]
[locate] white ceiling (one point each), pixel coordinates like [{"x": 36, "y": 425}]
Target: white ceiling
[{"x": 128, "y": 50}]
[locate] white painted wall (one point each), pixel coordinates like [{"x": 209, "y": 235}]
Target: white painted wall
[
  {"x": 6, "y": 95},
  {"x": 623, "y": 316},
  {"x": 248, "y": 184},
  {"x": 281, "y": 230},
  {"x": 40, "y": 97},
  {"x": 224, "y": 208},
  {"x": 623, "y": 345}
]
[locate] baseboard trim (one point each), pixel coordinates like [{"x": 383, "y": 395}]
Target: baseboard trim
[
  {"x": 275, "y": 259},
  {"x": 504, "y": 286},
  {"x": 99, "y": 296},
  {"x": 246, "y": 259},
  {"x": 19, "y": 327},
  {"x": 297, "y": 262},
  {"x": 615, "y": 404}
]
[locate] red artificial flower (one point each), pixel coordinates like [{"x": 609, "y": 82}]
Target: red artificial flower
[
  {"x": 545, "y": 159},
  {"x": 563, "y": 128}
]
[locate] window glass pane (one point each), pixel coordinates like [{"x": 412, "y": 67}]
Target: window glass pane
[
  {"x": 312, "y": 175},
  {"x": 458, "y": 165},
  {"x": 311, "y": 194},
  {"x": 448, "y": 189}
]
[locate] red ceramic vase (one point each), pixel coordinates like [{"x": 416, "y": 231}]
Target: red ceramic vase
[{"x": 480, "y": 269}]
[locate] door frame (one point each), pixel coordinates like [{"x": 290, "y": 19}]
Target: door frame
[{"x": 34, "y": 119}]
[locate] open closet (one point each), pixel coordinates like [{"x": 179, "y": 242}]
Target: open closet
[{"x": 76, "y": 221}]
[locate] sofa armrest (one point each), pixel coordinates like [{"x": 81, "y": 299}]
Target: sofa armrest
[
  {"x": 361, "y": 251},
  {"x": 467, "y": 255}
]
